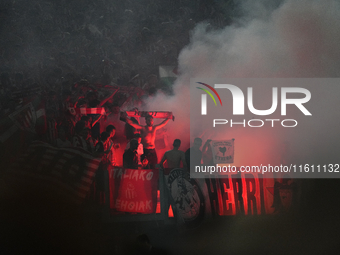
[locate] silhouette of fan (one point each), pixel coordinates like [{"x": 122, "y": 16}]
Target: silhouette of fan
[{"x": 222, "y": 149}]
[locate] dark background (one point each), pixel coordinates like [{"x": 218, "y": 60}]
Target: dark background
[{"x": 56, "y": 43}]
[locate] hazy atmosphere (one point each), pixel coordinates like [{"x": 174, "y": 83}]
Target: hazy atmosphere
[{"x": 57, "y": 54}]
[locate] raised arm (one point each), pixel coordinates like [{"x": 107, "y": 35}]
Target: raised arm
[
  {"x": 131, "y": 123},
  {"x": 162, "y": 124},
  {"x": 106, "y": 99},
  {"x": 96, "y": 120},
  {"x": 124, "y": 117}
]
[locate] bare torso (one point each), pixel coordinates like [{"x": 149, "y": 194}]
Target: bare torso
[
  {"x": 148, "y": 137},
  {"x": 174, "y": 158}
]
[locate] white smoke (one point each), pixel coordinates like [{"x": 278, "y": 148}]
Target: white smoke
[{"x": 298, "y": 39}]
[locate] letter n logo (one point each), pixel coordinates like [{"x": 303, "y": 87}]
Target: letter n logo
[{"x": 204, "y": 97}]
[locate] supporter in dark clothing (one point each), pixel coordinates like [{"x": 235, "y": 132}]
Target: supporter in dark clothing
[
  {"x": 196, "y": 153},
  {"x": 130, "y": 157},
  {"x": 79, "y": 139},
  {"x": 95, "y": 130},
  {"x": 102, "y": 147},
  {"x": 207, "y": 154},
  {"x": 102, "y": 150},
  {"x": 130, "y": 130},
  {"x": 62, "y": 140}
]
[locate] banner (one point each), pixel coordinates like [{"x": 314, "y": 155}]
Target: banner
[
  {"x": 67, "y": 171},
  {"x": 222, "y": 151},
  {"x": 85, "y": 111},
  {"x": 160, "y": 115},
  {"x": 187, "y": 197},
  {"x": 14, "y": 126},
  {"x": 133, "y": 191},
  {"x": 251, "y": 194}
]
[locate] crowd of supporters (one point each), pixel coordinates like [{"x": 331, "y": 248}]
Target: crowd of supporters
[
  {"x": 82, "y": 116},
  {"x": 56, "y": 56},
  {"x": 63, "y": 54}
]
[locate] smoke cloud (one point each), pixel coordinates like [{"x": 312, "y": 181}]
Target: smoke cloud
[{"x": 291, "y": 39}]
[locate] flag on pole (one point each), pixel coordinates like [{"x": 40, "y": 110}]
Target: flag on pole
[
  {"x": 30, "y": 117},
  {"x": 68, "y": 172},
  {"x": 168, "y": 74},
  {"x": 223, "y": 151},
  {"x": 25, "y": 117}
]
